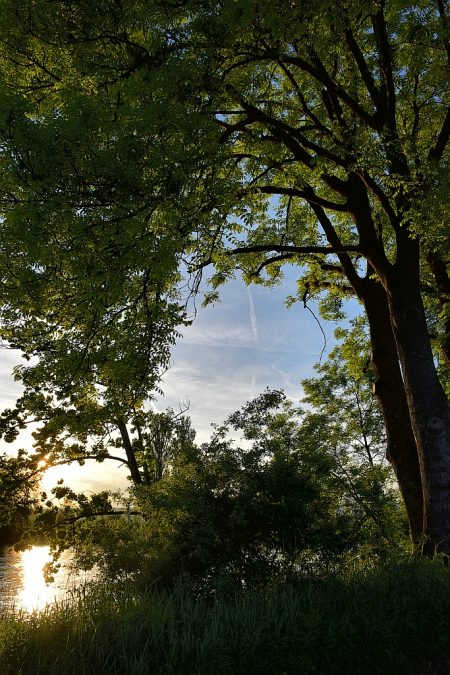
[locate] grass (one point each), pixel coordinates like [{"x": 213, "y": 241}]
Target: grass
[{"x": 389, "y": 620}]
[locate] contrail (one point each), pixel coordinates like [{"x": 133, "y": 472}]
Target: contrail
[
  {"x": 253, "y": 320},
  {"x": 252, "y": 385}
]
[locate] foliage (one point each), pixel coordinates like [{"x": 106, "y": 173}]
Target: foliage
[
  {"x": 227, "y": 516},
  {"x": 341, "y": 394},
  {"x": 386, "y": 621},
  {"x": 152, "y": 136},
  {"x": 160, "y": 437},
  {"x": 18, "y": 487},
  {"x": 63, "y": 516},
  {"x": 90, "y": 265}
]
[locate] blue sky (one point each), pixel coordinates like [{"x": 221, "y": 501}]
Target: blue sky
[
  {"x": 237, "y": 348},
  {"x": 230, "y": 354}
]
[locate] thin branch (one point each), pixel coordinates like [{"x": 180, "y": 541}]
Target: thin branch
[
  {"x": 304, "y": 194},
  {"x": 305, "y": 305},
  {"x": 270, "y": 261},
  {"x": 320, "y": 74},
  {"x": 305, "y": 108}
]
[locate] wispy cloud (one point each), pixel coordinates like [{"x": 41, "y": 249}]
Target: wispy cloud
[
  {"x": 228, "y": 356},
  {"x": 235, "y": 350},
  {"x": 253, "y": 320}
]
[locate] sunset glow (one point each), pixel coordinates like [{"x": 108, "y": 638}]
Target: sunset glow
[{"x": 35, "y": 593}]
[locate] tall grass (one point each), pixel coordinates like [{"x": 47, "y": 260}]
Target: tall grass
[{"x": 390, "y": 620}]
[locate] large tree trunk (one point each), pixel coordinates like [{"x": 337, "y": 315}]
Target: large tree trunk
[
  {"x": 401, "y": 450},
  {"x": 428, "y": 405}
]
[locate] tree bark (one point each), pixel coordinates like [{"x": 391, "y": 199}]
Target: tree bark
[
  {"x": 401, "y": 450},
  {"x": 428, "y": 405},
  {"x": 131, "y": 457},
  {"x": 439, "y": 270}
]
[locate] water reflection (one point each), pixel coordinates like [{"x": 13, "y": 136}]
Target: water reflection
[
  {"x": 35, "y": 593},
  {"x": 22, "y": 581}
]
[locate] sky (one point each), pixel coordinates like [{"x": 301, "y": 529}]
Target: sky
[
  {"x": 237, "y": 348},
  {"x": 230, "y": 354}
]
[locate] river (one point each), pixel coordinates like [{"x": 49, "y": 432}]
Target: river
[{"x": 22, "y": 583}]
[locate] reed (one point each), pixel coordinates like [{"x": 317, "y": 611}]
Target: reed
[{"x": 388, "y": 620}]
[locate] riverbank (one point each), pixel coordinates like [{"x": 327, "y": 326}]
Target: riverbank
[{"x": 391, "y": 620}]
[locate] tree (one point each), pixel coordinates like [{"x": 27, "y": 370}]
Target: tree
[
  {"x": 88, "y": 405},
  {"x": 341, "y": 395},
  {"x": 349, "y": 133},
  {"x": 152, "y": 442},
  {"x": 160, "y": 437},
  {"x": 350, "y": 423},
  {"x": 18, "y": 486},
  {"x": 310, "y": 134},
  {"x": 282, "y": 500}
]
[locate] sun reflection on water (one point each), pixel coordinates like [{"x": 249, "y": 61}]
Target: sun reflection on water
[
  {"x": 22, "y": 581},
  {"x": 35, "y": 593}
]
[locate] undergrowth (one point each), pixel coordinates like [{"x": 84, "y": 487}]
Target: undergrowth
[{"x": 389, "y": 620}]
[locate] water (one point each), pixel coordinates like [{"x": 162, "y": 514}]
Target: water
[{"x": 22, "y": 583}]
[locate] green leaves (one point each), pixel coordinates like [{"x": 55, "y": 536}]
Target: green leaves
[
  {"x": 341, "y": 394},
  {"x": 18, "y": 486},
  {"x": 141, "y": 139},
  {"x": 229, "y": 515}
]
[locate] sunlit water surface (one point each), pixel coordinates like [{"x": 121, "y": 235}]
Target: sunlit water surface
[{"x": 22, "y": 582}]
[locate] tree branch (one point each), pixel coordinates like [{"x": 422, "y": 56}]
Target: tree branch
[
  {"x": 376, "y": 190},
  {"x": 131, "y": 457},
  {"x": 292, "y": 138},
  {"x": 305, "y": 108},
  {"x": 437, "y": 151},
  {"x": 32, "y": 474},
  {"x": 304, "y": 194},
  {"x": 269, "y": 261},
  {"x": 341, "y": 251},
  {"x": 320, "y": 74},
  {"x": 293, "y": 250},
  {"x": 384, "y": 49},
  {"x": 362, "y": 67}
]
